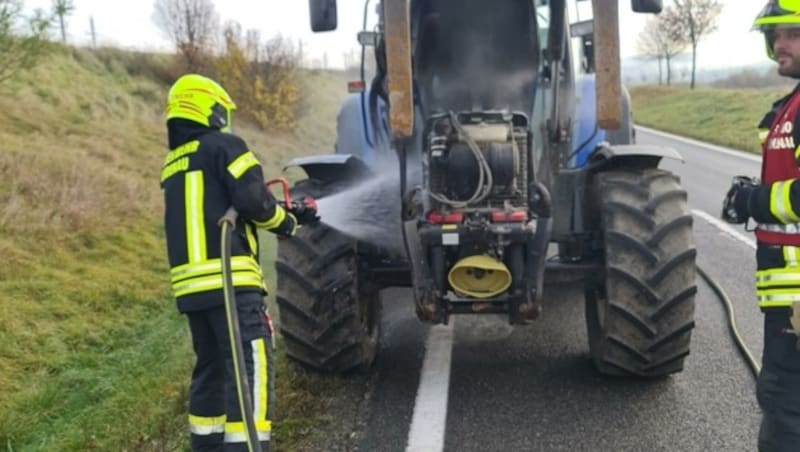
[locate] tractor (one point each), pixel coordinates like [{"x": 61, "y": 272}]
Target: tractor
[{"x": 512, "y": 144}]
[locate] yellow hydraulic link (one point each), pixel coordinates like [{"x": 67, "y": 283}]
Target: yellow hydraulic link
[
  {"x": 398, "y": 62},
  {"x": 609, "y": 82}
]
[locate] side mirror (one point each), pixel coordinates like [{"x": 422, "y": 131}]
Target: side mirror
[
  {"x": 323, "y": 14},
  {"x": 368, "y": 38},
  {"x": 580, "y": 29},
  {"x": 647, "y": 6}
]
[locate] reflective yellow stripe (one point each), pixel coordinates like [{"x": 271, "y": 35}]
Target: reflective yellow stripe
[
  {"x": 214, "y": 282},
  {"x": 202, "y": 425},
  {"x": 195, "y": 217},
  {"x": 762, "y": 135},
  {"x": 790, "y": 256},
  {"x": 260, "y": 380},
  {"x": 235, "y": 431},
  {"x": 213, "y": 266},
  {"x": 780, "y": 203},
  {"x": 772, "y": 294},
  {"x": 242, "y": 163},
  {"x": 174, "y": 168},
  {"x": 275, "y": 221},
  {"x": 777, "y": 298},
  {"x": 776, "y": 272},
  {"x": 181, "y": 151},
  {"x": 251, "y": 238},
  {"x": 766, "y": 279},
  {"x": 774, "y": 304},
  {"x": 779, "y": 287}
]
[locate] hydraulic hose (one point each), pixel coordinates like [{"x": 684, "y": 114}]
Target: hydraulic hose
[
  {"x": 737, "y": 338},
  {"x": 228, "y": 224}
]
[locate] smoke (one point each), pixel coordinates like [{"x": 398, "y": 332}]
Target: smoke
[
  {"x": 476, "y": 55},
  {"x": 368, "y": 211}
]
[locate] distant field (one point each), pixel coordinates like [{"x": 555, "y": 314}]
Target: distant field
[
  {"x": 94, "y": 355},
  {"x": 727, "y": 117}
]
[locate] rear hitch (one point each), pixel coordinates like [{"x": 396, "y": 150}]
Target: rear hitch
[{"x": 540, "y": 203}]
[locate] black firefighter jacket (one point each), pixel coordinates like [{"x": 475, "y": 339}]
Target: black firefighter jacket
[{"x": 204, "y": 173}]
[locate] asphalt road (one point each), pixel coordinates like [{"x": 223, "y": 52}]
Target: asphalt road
[{"x": 533, "y": 388}]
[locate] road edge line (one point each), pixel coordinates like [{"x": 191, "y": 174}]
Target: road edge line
[
  {"x": 728, "y": 151},
  {"x": 725, "y": 228}
]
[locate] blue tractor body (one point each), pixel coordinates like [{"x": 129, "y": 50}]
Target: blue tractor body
[{"x": 514, "y": 173}]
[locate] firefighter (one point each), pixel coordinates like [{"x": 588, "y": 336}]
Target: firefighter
[
  {"x": 774, "y": 204},
  {"x": 207, "y": 170}
]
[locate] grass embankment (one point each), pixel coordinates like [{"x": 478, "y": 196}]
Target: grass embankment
[
  {"x": 728, "y": 117},
  {"x": 94, "y": 355}
]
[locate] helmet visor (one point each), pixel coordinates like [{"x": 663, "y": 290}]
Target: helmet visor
[{"x": 778, "y": 12}]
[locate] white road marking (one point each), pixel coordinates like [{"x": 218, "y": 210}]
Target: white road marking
[
  {"x": 426, "y": 433},
  {"x": 727, "y": 151},
  {"x": 725, "y": 228}
]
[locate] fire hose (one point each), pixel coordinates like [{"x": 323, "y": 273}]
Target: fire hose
[
  {"x": 228, "y": 224},
  {"x": 744, "y": 351}
]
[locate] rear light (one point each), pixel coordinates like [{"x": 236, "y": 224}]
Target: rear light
[
  {"x": 516, "y": 216},
  {"x": 436, "y": 217},
  {"x": 356, "y": 86}
]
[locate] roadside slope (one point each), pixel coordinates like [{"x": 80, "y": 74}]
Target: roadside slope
[
  {"x": 727, "y": 117},
  {"x": 91, "y": 338}
]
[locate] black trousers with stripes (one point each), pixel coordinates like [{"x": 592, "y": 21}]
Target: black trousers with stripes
[
  {"x": 778, "y": 386},
  {"x": 213, "y": 387}
]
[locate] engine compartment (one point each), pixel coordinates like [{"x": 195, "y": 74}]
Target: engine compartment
[{"x": 476, "y": 162}]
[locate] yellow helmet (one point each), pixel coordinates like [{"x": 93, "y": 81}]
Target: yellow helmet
[
  {"x": 202, "y": 100},
  {"x": 777, "y": 13}
]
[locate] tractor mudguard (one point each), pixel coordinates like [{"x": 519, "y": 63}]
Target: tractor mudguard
[
  {"x": 569, "y": 208},
  {"x": 639, "y": 155},
  {"x": 332, "y": 167}
]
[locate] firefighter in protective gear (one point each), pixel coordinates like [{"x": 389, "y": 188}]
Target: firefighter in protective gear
[
  {"x": 207, "y": 170},
  {"x": 773, "y": 202}
]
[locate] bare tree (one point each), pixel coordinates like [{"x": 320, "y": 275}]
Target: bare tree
[
  {"x": 22, "y": 40},
  {"x": 191, "y": 24},
  {"x": 253, "y": 45},
  {"x": 62, "y": 9},
  {"x": 696, "y": 19},
  {"x": 661, "y": 40}
]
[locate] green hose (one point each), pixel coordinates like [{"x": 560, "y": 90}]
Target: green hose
[
  {"x": 228, "y": 224},
  {"x": 737, "y": 338}
]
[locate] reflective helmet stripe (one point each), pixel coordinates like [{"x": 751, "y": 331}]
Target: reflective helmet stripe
[{"x": 200, "y": 99}]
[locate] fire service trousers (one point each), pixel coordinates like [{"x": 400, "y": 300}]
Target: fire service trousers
[
  {"x": 215, "y": 419},
  {"x": 778, "y": 386}
]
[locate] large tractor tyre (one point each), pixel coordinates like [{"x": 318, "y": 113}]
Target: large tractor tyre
[
  {"x": 329, "y": 310},
  {"x": 640, "y": 311}
]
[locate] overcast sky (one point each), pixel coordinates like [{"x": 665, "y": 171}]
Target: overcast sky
[{"x": 129, "y": 24}]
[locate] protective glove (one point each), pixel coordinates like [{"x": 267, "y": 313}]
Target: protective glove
[
  {"x": 736, "y": 205},
  {"x": 304, "y": 210},
  {"x": 287, "y": 228}
]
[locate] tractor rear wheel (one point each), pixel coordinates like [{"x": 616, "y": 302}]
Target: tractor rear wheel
[
  {"x": 329, "y": 310},
  {"x": 640, "y": 312}
]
